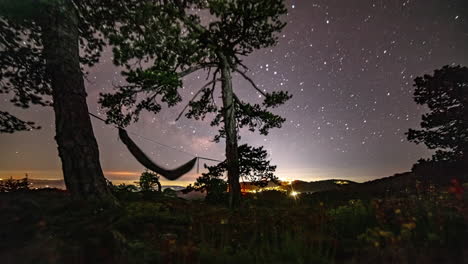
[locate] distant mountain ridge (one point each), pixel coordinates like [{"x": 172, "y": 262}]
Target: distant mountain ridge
[
  {"x": 45, "y": 183},
  {"x": 320, "y": 186},
  {"x": 303, "y": 186},
  {"x": 298, "y": 185},
  {"x": 60, "y": 184},
  {"x": 395, "y": 183}
]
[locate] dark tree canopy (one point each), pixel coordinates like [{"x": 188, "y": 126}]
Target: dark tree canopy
[
  {"x": 254, "y": 167},
  {"x": 212, "y": 184},
  {"x": 445, "y": 127},
  {"x": 23, "y": 71},
  {"x": 13, "y": 185},
  {"x": 155, "y": 65},
  {"x": 149, "y": 182},
  {"x": 44, "y": 47},
  {"x": 10, "y": 123},
  {"x": 169, "y": 40}
]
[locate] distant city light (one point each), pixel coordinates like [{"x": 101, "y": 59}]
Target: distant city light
[
  {"x": 341, "y": 182},
  {"x": 294, "y": 194}
]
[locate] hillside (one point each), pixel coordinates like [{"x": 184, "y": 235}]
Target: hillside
[{"x": 320, "y": 186}]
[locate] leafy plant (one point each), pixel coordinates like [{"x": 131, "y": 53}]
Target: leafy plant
[
  {"x": 445, "y": 93},
  {"x": 149, "y": 182},
  {"x": 348, "y": 221},
  {"x": 12, "y": 185}
]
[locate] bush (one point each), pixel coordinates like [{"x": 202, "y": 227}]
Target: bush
[
  {"x": 348, "y": 221},
  {"x": 149, "y": 182},
  {"x": 11, "y": 185},
  {"x": 170, "y": 192},
  {"x": 213, "y": 185}
]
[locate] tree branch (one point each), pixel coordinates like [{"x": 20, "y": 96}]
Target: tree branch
[
  {"x": 194, "y": 97},
  {"x": 214, "y": 85},
  {"x": 238, "y": 61},
  {"x": 250, "y": 81},
  {"x": 190, "y": 70},
  {"x": 237, "y": 100},
  {"x": 195, "y": 68}
]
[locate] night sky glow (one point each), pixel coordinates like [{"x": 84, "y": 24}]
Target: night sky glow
[{"x": 350, "y": 66}]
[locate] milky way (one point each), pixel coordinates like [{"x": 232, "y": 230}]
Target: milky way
[{"x": 350, "y": 67}]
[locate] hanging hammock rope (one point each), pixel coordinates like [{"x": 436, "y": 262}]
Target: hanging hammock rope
[{"x": 144, "y": 160}]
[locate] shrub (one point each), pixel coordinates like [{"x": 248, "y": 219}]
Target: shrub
[
  {"x": 149, "y": 182},
  {"x": 11, "y": 185},
  {"x": 348, "y": 221}
]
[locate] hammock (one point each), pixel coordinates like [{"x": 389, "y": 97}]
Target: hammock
[{"x": 141, "y": 157}]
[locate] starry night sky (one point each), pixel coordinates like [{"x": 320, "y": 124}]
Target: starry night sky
[{"x": 350, "y": 66}]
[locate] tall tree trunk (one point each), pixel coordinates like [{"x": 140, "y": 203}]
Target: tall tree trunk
[
  {"x": 232, "y": 156},
  {"x": 77, "y": 146}
]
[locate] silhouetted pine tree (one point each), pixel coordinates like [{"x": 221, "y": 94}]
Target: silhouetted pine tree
[
  {"x": 169, "y": 41},
  {"x": 40, "y": 57},
  {"x": 445, "y": 127}
]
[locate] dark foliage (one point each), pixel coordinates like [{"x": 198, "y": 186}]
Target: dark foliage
[
  {"x": 44, "y": 47},
  {"x": 12, "y": 185},
  {"x": 10, "y": 123},
  {"x": 162, "y": 42},
  {"x": 445, "y": 127},
  {"x": 149, "y": 182},
  {"x": 254, "y": 168},
  {"x": 212, "y": 183},
  {"x": 270, "y": 227},
  {"x": 237, "y": 29},
  {"x": 23, "y": 69}
]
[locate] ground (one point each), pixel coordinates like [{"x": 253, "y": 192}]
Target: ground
[{"x": 425, "y": 225}]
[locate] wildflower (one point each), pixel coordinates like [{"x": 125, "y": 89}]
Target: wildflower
[
  {"x": 409, "y": 226},
  {"x": 456, "y": 188},
  {"x": 385, "y": 233}
]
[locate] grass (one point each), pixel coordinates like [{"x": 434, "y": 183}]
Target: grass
[{"x": 46, "y": 227}]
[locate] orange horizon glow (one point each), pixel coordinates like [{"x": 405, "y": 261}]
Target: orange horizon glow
[
  {"x": 122, "y": 173},
  {"x": 285, "y": 174}
]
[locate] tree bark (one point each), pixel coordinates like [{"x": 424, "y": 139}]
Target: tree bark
[
  {"x": 232, "y": 156},
  {"x": 77, "y": 146}
]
